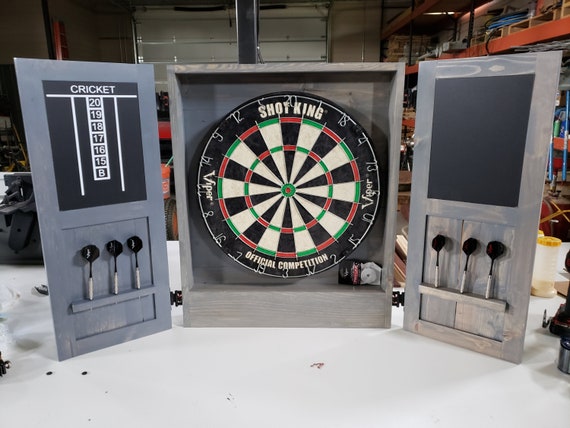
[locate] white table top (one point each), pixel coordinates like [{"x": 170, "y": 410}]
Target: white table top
[{"x": 240, "y": 377}]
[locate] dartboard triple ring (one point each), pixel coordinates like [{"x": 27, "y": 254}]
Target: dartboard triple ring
[{"x": 288, "y": 184}]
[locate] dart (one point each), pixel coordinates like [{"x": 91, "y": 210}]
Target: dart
[
  {"x": 494, "y": 250},
  {"x": 135, "y": 244},
  {"x": 469, "y": 247},
  {"x": 90, "y": 253},
  {"x": 437, "y": 244},
  {"x": 115, "y": 248}
]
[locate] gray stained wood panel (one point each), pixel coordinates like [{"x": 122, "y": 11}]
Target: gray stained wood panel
[
  {"x": 466, "y": 198},
  {"x": 91, "y": 133},
  {"x": 219, "y": 292}
]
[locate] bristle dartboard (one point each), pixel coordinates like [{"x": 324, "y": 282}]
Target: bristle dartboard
[{"x": 288, "y": 184}]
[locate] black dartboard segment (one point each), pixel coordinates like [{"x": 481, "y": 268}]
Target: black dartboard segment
[{"x": 288, "y": 184}]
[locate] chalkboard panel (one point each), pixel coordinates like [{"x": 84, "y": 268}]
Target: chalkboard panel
[
  {"x": 96, "y": 140},
  {"x": 91, "y": 134},
  {"x": 478, "y": 139},
  {"x": 483, "y": 126}
]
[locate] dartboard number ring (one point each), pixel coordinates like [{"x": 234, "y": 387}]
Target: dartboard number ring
[{"x": 288, "y": 184}]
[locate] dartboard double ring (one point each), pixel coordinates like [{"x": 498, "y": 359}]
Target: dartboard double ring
[{"x": 288, "y": 184}]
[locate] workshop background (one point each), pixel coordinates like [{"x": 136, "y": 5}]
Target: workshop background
[
  {"x": 162, "y": 32},
  {"x": 292, "y": 376}
]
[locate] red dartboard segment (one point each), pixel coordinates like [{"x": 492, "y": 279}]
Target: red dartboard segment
[
  {"x": 295, "y": 192},
  {"x": 314, "y": 156},
  {"x": 223, "y": 166},
  {"x": 263, "y": 155},
  {"x": 286, "y": 255},
  {"x": 311, "y": 223},
  {"x": 264, "y": 222},
  {"x": 331, "y": 134},
  {"x": 354, "y": 167},
  {"x": 247, "y": 133},
  {"x": 352, "y": 213},
  {"x": 325, "y": 244},
  {"x": 290, "y": 120},
  {"x": 247, "y": 241},
  {"x": 223, "y": 208},
  {"x": 248, "y": 176},
  {"x": 249, "y": 203}
]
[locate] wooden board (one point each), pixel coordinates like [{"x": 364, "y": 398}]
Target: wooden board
[
  {"x": 217, "y": 290},
  {"x": 459, "y": 191}
]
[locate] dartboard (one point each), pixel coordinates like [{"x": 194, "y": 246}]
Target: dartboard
[{"x": 288, "y": 184}]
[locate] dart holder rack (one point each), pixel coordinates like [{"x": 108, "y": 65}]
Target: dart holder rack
[
  {"x": 92, "y": 136},
  {"x": 482, "y": 131},
  {"x": 219, "y": 292}
]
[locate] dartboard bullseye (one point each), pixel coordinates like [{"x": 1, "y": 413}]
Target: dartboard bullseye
[{"x": 288, "y": 184}]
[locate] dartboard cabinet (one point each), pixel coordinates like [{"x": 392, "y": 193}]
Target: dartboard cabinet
[{"x": 286, "y": 176}]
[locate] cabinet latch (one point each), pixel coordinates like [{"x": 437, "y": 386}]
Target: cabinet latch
[
  {"x": 398, "y": 298},
  {"x": 176, "y": 297}
]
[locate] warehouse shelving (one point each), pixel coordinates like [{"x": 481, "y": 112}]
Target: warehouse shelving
[
  {"x": 417, "y": 14},
  {"x": 553, "y": 25},
  {"x": 550, "y": 26},
  {"x": 545, "y": 32}
]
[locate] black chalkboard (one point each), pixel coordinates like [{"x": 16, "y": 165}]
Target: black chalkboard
[
  {"x": 96, "y": 142},
  {"x": 478, "y": 138}
]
